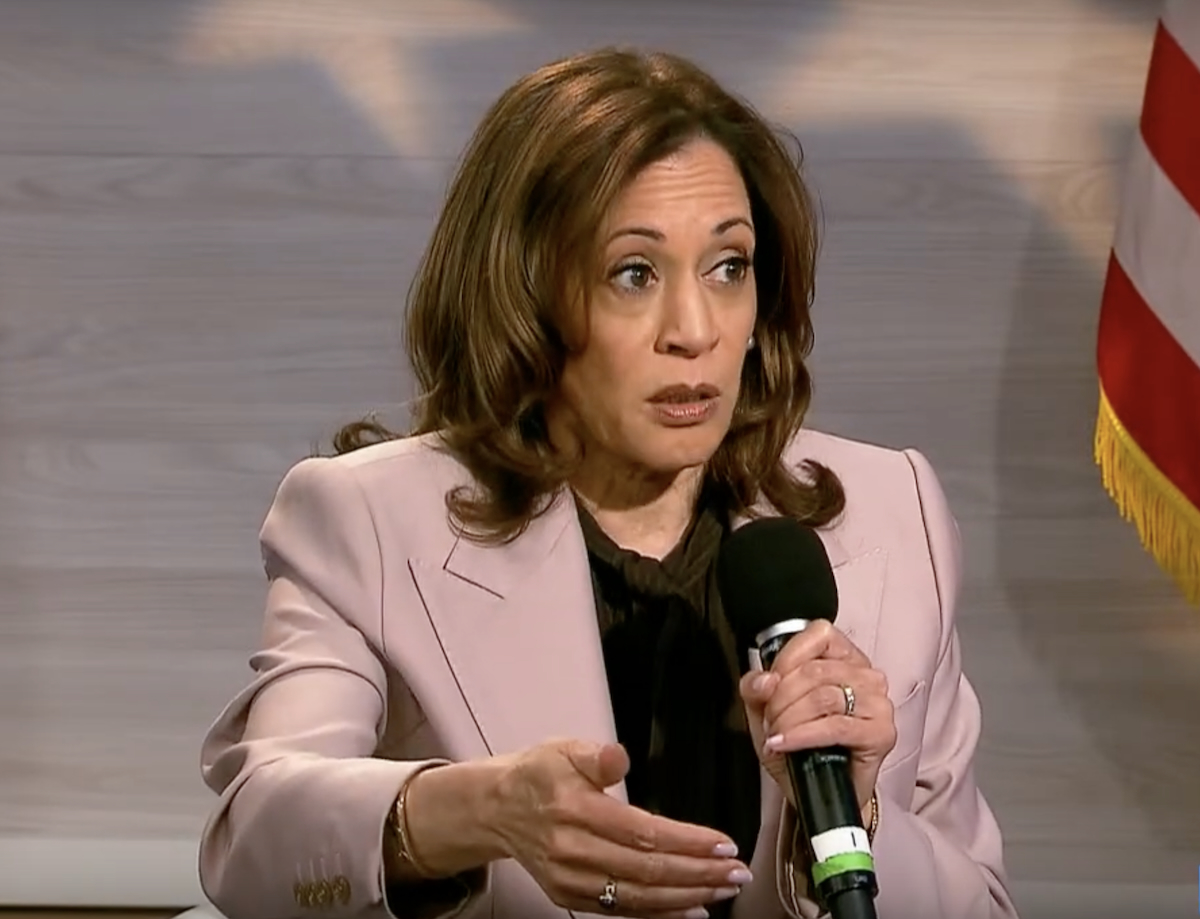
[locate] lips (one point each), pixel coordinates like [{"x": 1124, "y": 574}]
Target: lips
[{"x": 681, "y": 394}]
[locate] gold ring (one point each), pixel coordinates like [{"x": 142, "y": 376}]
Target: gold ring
[
  {"x": 848, "y": 692},
  {"x": 608, "y": 899}
]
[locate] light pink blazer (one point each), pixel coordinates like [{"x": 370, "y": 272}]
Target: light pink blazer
[{"x": 388, "y": 642}]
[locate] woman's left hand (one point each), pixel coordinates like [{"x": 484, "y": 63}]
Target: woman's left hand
[{"x": 800, "y": 704}]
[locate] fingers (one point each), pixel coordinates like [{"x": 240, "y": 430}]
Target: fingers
[
  {"x": 640, "y": 831},
  {"x": 808, "y": 710},
  {"x": 820, "y": 651},
  {"x": 756, "y": 689},
  {"x": 656, "y": 869},
  {"x": 662, "y": 867},
  {"x": 876, "y": 736},
  {"x": 579, "y": 889},
  {"x": 573, "y": 838},
  {"x": 806, "y": 707},
  {"x": 820, "y": 640},
  {"x": 814, "y": 690},
  {"x": 603, "y": 765},
  {"x": 577, "y": 805}
]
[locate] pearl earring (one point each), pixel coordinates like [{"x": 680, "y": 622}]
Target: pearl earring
[{"x": 751, "y": 343}]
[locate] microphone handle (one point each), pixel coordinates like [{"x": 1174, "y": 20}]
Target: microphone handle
[
  {"x": 843, "y": 867},
  {"x": 854, "y": 904}
]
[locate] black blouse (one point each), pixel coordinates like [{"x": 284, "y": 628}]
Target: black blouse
[{"x": 673, "y": 669}]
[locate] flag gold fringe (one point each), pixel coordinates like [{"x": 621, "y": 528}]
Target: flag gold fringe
[{"x": 1167, "y": 522}]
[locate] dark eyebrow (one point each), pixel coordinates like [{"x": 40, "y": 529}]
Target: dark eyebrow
[
  {"x": 658, "y": 236},
  {"x": 730, "y": 224}
]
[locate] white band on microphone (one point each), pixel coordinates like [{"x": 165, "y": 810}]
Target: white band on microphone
[
  {"x": 843, "y": 840},
  {"x": 787, "y": 627},
  {"x": 844, "y": 850}
]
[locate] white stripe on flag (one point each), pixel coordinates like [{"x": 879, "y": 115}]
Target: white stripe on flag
[
  {"x": 1158, "y": 244},
  {"x": 1182, "y": 19}
]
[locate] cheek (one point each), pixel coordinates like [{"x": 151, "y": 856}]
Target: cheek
[
  {"x": 740, "y": 337},
  {"x": 748, "y": 315},
  {"x": 600, "y": 392},
  {"x": 733, "y": 360}
]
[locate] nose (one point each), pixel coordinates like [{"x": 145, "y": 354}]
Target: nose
[{"x": 689, "y": 327}]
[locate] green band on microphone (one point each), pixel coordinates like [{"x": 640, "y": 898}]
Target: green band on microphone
[{"x": 841, "y": 864}]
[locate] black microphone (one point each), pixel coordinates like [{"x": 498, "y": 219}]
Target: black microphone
[{"x": 775, "y": 579}]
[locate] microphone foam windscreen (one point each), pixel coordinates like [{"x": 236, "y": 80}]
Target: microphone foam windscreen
[{"x": 771, "y": 570}]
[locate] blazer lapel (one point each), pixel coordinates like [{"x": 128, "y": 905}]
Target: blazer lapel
[
  {"x": 860, "y": 580},
  {"x": 518, "y": 626}
]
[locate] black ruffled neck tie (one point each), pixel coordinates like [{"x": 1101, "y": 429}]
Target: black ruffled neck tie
[{"x": 673, "y": 669}]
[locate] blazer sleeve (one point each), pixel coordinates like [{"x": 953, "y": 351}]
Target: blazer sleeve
[
  {"x": 943, "y": 858},
  {"x": 299, "y": 825}
]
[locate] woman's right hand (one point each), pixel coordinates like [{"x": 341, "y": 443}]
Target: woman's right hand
[{"x": 554, "y": 818}]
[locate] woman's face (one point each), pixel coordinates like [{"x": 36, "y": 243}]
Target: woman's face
[{"x": 669, "y": 316}]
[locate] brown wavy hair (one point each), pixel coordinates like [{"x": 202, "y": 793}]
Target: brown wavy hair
[{"x": 516, "y": 243}]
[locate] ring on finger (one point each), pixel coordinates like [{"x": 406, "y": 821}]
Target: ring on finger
[
  {"x": 848, "y": 693},
  {"x": 608, "y": 898}
]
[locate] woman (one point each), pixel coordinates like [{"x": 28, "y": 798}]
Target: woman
[{"x": 495, "y": 678}]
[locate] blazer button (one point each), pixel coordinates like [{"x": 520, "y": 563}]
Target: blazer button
[{"x": 341, "y": 889}]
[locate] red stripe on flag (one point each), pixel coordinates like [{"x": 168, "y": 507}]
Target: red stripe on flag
[
  {"x": 1171, "y": 114},
  {"x": 1151, "y": 383}
]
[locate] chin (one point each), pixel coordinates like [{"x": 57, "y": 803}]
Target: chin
[{"x": 667, "y": 450}]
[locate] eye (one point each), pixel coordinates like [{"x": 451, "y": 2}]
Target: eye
[
  {"x": 733, "y": 270},
  {"x": 632, "y": 276}
]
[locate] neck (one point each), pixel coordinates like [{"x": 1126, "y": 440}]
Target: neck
[{"x": 644, "y": 512}]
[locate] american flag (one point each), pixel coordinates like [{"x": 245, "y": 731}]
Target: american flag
[{"x": 1148, "y": 433}]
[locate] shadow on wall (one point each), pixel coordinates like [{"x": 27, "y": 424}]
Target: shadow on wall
[
  {"x": 741, "y": 44},
  {"x": 1121, "y": 644},
  {"x": 967, "y": 297}
]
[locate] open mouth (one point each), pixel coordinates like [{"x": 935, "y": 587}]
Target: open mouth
[
  {"x": 682, "y": 406},
  {"x": 681, "y": 394}
]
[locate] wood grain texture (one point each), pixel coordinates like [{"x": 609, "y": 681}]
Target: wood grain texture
[{"x": 209, "y": 215}]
